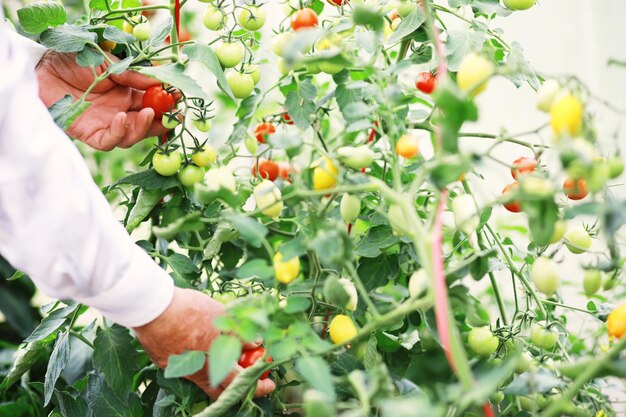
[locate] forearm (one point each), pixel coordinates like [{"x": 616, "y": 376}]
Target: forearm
[{"x": 55, "y": 225}]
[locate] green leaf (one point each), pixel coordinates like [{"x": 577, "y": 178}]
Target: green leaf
[
  {"x": 149, "y": 180},
  {"x": 120, "y": 66},
  {"x": 520, "y": 68},
  {"x": 118, "y": 36},
  {"x": 25, "y": 357},
  {"x": 36, "y": 17},
  {"x": 67, "y": 38},
  {"x": 182, "y": 264},
  {"x": 187, "y": 223},
  {"x": 104, "y": 402},
  {"x": 146, "y": 201},
  {"x": 63, "y": 112},
  {"x": 250, "y": 230},
  {"x": 89, "y": 58},
  {"x": 51, "y": 323},
  {"x": 161, "y": 32},
  {"x": 283, "y": 348},
  {"x": 245, "y": 112},
  {"x": 59, "y": 358},
  {"x": 449, "y": 169},
  {"x": 407, "y": 26},
  {"x": 297, "y": 305},
  {"x": 332, "y": 246},
  {"x": 224, "y": 353},
  {"x": 185, "y": 364},
  {"x": 205, "y": 55},
  {"x": 378, "y": 271},
  {"x": 378, "y": 238},
  {"x": 540, "y": 381},
  {"x": 363, "y": 16},
  {"x": 299, "y": 109},
  {"x": 459, "y": 43},
  {"x": 542, "y": 215},
  {"x": 316, "y": 372},
  {"x": 256, "y": 268},
  {"x": 174, "y": 74},
  {"x": 115, "y": 356},
  {"x": 285, "y": 140}
]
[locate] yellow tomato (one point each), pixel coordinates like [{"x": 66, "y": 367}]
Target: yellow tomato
[
  {"x": 616, "y": 322},
  {"x": 285, "y": 272},
  {"x": 567, "y": 115},
  {"x": 268, "y": 198},
  {"x": 474, "y": 69},
  {"x": 407, "y": 146},
  {"x": 342, "y": 329},
  {"x": 107, "y": 45},
  {"x": 324, "y": 174}
]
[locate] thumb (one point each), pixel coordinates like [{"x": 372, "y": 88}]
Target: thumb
[{"x": 252, "y": 345}]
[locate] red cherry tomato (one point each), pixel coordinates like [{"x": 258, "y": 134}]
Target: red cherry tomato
[
  {"x": 303, "y": 19},
  {"x": 513, "y": 206},
  {"x": 337, "y": 2},
  {"x": 287, "y": 119},
  {"x": 426, "y": 82},
  {"x": 263, "y": 130},
  {"x": 575, "y": 189},
  {"x": 249, "y": 357},
  {"x": 523, "y": 165},
  {"x": 267, "y": 169},
  {"x": 284, "y": 169},
  {"x": 158, "y": 99}
]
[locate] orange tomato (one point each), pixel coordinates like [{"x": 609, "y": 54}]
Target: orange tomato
[
  {"x": 303, "y": 19},
  {"x": 407, "y": 146},
  {"x": 575, "y": 189},
  {"x": 511, "y": 205}
]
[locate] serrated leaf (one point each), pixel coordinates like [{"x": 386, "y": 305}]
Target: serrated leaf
[
  {"x": 161, "y": 32},
  {"x": 459, "y": 43},
  {"x": 250, "y": 230},
  {"x": 182, "y": 264},
  {"x": 407, "y": 25},
  {"x": 118, "y": 36},
  {"x": 377, "y": 239},
  {"x": 378, "y": 271},
  {"x": 299, "y": 109},
  {"x": 67, "y": 38},
  {"x": 36, "y": 17},
  {"x": 224, "y": 353},
  {"x": 120, "y": 66},
  {"x": 205, "y": 55},
  {"x": 63, "y": 112},
  {"x": 146, "y": 201},
  {"x": 115, "y": 356},
  {"x": 149, "y": 180},
  {"x": 89, "y": 58},
  {"x": 25, "y": 358},
  {"x": 184, "y": 364},
  {"x": 59, "y": 358},
  {"x": 256, "y": 268},
  {"x": 316, "y": 372},
  {"x": 174, "y": 74},
  {"x": 104, "y": 402},
  {"x": 297, "y": 305}
]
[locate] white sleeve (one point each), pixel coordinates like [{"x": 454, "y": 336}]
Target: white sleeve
[
  {"x": 55, "y": 225},
  {"x": 32, "y": 49}
]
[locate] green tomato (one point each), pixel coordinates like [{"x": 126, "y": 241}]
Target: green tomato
[
  {"x": 545, "y": 275},
  {"x": 142, "y": 31},
  {"x": 213, "y": 18},
  {"x": 519, "y": 4},
  {"x": 609, "y": 282},
  {"x": 251, "y": 144},
  {"x": 279, "y": 41},
  {"x": 616, "y": 167},
  {"x": 203, "y": 125},
  {"x": 313, "y": 67},
  {"x": 525, "y": 363},
  {"x": 170, "y": 121},
  {"x": 497, "y": 397},
  {"x": 592, "y": 281},
  {"x": 559, "y": 231},
  {"x": 405, "y": 7},
  {"x": 329, "y": 67},
  {"x": 254, "y": 71},
  {"x": 349, "y": 208},
  {"x": 473, "y": 74},
  {"x": 598, "y": 176},
  {"x": 482, "y": 341},
  {"x": 578, "y": 240},
  {"x": 205, "y": 157},
  {"x": 418, "y": 283},
  {"x": 190, "y": 175},
  {"x": 166, "y": 164},
  {"x": 541, "y": 337},
  {"x": 356, "y": 157},
  {"x": 251, "y": 17},
  {"x": 229, "y": 54},
  {"x": 240, "y": 84}
]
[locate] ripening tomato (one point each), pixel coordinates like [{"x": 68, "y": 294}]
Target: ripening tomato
[
  {"x": 545, "y": 275},
  {"x": 616, "y": 322},
  {"x": 523, "y": 165},
  {"x": 190, "y": 175},
  {"x": 204, "y": 157},
  {"x": 158, "y": 99},
  {"x": 251, "y": 17},
  {"x": 324, "y": 174},
  {"x": 284, "y": 169},
  {"x": 250, "y": 356},
  {"x": 407, "y": 146},
  {"x": 230, "y": 54},
  {"x": 567, "y": 115},
  {"x": 240, "y": 84},
  {"x": 474, "y": 72},
  {"x": 287, "y": 118},
  {"x": 267, "y": 169},
  {"x": 268, "y": 198},
  {"x": 426, "y": 82},
  {"x": 263, "y": 130},
  {"x": 482, "y": 341},
  {"x": 303, "y": 19},
  {"x": 575, "y": 189},
  {"x": 286, "y": 271},
  {"x": 337, "y": 2},
  {"x": 166, "y": 164},
  {"x": 107, "y": 45},
  {"x": 342, "y": 329},
  {"x": 514, "y": 206}
]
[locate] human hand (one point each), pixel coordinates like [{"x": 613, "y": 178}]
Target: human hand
[
  {"x": 115, "y": 116},
  {"x": 187, "y": 324}
]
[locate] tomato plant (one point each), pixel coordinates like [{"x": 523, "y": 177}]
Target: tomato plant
[{"x": 385, "y": 278}]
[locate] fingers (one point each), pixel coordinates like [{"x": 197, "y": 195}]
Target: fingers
[
  {"x": 107, "y": 139},
  {"x": 139, "y": 125},
  {"x": 264, "y": 387},
  {"x": 135, "y": 80},
  {"x": 252, "y": 345}
]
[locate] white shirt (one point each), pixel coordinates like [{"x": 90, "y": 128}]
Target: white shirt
[{"x": 55, "y": 225}]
